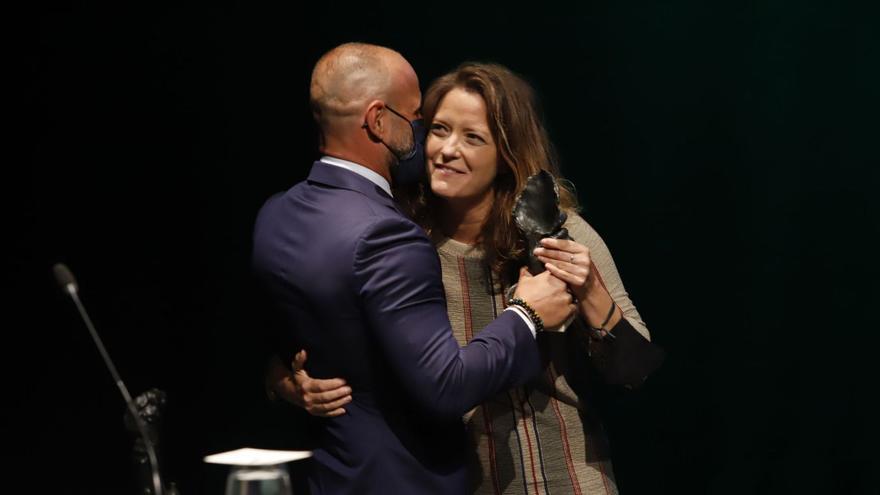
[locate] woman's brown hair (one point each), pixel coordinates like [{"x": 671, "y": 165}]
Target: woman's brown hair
[{"x": 523, "y": 149}]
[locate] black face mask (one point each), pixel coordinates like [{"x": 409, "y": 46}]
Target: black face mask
[{"x": 411, "y": 166}]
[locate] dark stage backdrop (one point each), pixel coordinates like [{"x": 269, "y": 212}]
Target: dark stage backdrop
[{"x": 726, "y": 151}]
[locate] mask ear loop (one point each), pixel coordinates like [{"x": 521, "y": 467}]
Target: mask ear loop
[
  {"x": 414, "y": 150},
  {"x": 370, "y": 134},
  {"x": 374, "y": 138}
]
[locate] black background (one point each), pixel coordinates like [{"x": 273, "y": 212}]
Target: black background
[{"x": 726, "y": 151}]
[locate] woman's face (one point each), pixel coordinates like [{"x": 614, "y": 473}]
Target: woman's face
[{"x": 462, "y": 156}]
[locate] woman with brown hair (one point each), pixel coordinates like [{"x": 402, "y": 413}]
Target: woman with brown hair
[{"x": 485, "y": 139}]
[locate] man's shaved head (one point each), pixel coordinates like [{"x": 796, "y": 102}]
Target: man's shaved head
[
  {"x": 352, "y": 87},
  {"x": 348, "y": 77}
]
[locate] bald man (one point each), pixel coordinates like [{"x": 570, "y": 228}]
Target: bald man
[{"x": 360, "y": 289}]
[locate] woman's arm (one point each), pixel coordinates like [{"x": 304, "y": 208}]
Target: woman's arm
[
  {"x": 588, "y": 268},
  {"x": 620, "y": 343}
]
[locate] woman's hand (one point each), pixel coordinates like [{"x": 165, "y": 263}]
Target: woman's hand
[
  {"x": 323, "y": 398},
  {"x": 570, "y": 262}
]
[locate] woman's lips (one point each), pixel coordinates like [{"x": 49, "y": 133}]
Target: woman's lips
[{"x": 446, "y": 169}]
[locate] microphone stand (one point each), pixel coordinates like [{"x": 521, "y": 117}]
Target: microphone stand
[{"x": 71, "y": 289}]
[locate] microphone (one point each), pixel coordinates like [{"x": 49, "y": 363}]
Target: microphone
[
  {"x": 65, "y": 278},
  {"x": 68, "y": 284}
]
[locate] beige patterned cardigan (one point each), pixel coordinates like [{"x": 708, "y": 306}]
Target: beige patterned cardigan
[{"x": 543, "y": 437}]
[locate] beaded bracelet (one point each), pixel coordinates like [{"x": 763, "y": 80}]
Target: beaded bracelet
[{"x": 533, "y": 315}]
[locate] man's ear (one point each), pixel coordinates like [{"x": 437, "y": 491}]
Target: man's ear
[{"x": 373, "y": 120}]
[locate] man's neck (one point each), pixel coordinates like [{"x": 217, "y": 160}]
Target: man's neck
[
  {"x": 376, "y": 164},
  {"x": 361, "y": 170}
]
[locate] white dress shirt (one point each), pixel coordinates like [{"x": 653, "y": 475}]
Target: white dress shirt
[{"x": 361, "y": 170}]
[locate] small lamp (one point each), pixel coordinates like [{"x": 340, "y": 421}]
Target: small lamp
[{"x": 258, "y": 471}]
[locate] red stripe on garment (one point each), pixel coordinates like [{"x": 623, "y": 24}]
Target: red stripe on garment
[
  {"x": 493, "y": 466},
  {"x": 469, "y": 334},
  {"x": 466, "y": 300},
  {"x": 566, "y": 448},
  {"x": 529, "y": 442}
]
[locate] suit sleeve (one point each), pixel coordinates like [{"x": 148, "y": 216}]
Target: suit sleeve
[{"x": 397, "y": 272}]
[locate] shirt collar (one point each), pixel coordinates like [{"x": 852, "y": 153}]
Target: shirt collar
[{"x": 361, "y": 170}]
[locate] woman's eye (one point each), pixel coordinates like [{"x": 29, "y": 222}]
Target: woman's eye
[
  {"x": 475, "y": 138},
  {"x": 438, "y": 129}
]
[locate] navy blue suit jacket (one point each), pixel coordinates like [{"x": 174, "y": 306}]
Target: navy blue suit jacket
[{"x": 359, "y": 287}]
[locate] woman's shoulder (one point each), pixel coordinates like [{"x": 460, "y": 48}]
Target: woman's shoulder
[{"x": 578, "y": 228}]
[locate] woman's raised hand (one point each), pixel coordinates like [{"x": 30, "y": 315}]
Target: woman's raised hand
[{"x": 568, "y": 261}]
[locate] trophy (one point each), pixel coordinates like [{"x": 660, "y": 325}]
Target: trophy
[
  {"x": 623, "y": 357},
  {"x": 537, "y": 215}
]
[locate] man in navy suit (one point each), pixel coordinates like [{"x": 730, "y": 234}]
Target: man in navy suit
[{"x": 359, "y": 287}]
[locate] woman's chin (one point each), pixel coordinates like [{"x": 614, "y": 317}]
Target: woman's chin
[{"x": 441, "y": 188}]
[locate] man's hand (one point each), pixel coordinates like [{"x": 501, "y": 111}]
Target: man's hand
[
  {"x": 323, "y": 398},
  {"x": 547, "y": 295}
]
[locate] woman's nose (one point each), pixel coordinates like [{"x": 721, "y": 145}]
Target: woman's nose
[{"x": 450, "y": 148}]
